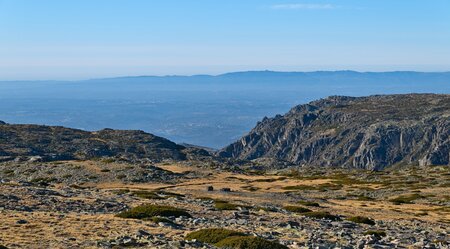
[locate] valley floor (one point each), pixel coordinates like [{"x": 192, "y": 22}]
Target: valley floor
[{"x": 43, "y": 206}]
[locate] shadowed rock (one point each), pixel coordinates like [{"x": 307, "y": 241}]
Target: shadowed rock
[{"x": 354, "y": 132}]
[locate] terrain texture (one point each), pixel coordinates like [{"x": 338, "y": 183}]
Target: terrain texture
[
  {"x": 83, "y": 204},
  {"x": 46, "y": 143},
  {"x": 354, "y": 132},
  {"x": 340, "y": 172}
]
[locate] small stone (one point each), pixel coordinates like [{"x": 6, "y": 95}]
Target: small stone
[{"x": 22, "y": 222}]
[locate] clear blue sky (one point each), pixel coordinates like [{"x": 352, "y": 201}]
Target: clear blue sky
[{"x": 76, "y": 39}]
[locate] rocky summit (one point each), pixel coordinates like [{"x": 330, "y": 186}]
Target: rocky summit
[
  {"x": 372, "y": 132},
  {"x": 50, "y": 143}
]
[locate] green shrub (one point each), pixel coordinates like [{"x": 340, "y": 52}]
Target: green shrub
[
  {"x": 376, "y": 233},
  {"x": 309, "y": 203},
  {"x": 321, "y": 215},
  {"x": 121, "y": 191},
  {"x": 121, "y": 176},
  {"x": 271, "y": 179},
  {"x": 249, "y": 242},
  {"x": 365, "y": 198},
  {"x": 361, "y": 219},
  {"x": 224, "y": 205},
  {"x": 157, "y": 219},
  {"x": 212, "y": 235},
  {"x": 148, "y": 211},
  {"x": 297, "y": 209},
  {"x": 406, "y": 199},
  {"x": 321, "y": 187},
  {"x": 169, "y": 194},
  {"x": 147, "y": 195}
]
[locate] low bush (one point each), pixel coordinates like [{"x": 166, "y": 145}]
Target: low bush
[
  {"x": 362, "y": 220},
  {"x": 297, "y": 209},
  {"x": 321, "y": 215},
  {"x": 309, "y": 203},
  {"x": 148, "y": 211},
  {"x": 248, "y": 242},
  {"x": 147, "y": 195},
  {"x": 212, "y": 235},
  {"x": 152, "y": 195},
  {"x": 225, "y": 238},
  {"x": 406, "y": 199},
  {"x": 157, "y": 219},
  {"x": 224, "y": 205},
  {"x": 321, "y": 187},
  {"x": 3, "y": 247}
]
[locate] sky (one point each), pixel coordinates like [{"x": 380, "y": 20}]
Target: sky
[{"x": 81, "y": 39}]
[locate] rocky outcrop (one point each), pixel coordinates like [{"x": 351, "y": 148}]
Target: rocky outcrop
[
  {"x": 38, "y": 142},
  {"x": 354, "y": 132}
]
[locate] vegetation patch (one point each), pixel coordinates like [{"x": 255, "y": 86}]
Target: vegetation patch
[
  {"x": 224, "y": 205},
  {"x": 147, "y": 195},
  {"x": 158, "y": 219},
  {"x": 212, "y": 235},
  {"x": 271, "y": 179},
  {"x": 362, "y": 220},
  {"x": 148, "y": 211},
  {"x": 406, "y": 199},
  {"x": 309, "y": 203},
  {"x": 249, "y": 242},
  {"x": 321, "y": 215},
  {"x": 152, "y": 195},
  {"x": 297, "y": 209},
  {"x": 321, "y": 187},
  {"x": 364, "y": 198}
]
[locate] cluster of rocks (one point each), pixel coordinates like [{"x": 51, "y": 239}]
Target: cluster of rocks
[
  {"x": 70, "y": 173},
  {"x": 372, "y": 132},
  {"x": 144, "y": 239},
  {"x": 30, "y": 198}
]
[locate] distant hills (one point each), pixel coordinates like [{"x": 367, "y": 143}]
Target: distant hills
[
  {"x": 49, "y": 143},
  {"x": 367, "y": 132}
]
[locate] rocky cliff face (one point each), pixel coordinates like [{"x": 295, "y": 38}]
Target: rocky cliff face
[
  {"x": 59, "y": 143},
  {"x": 364, "y": 132}
]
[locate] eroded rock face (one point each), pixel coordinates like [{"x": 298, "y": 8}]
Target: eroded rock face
[
  {"x": 354, "y": 132},
  {"x": 60, "y": 143}
]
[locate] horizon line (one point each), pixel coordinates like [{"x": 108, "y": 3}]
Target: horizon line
[{"x": 227, "y": 73}]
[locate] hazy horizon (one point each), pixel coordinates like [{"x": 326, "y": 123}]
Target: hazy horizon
[
  {"x": 83, "y": 39},
  {"x": 221, "y": 74}
]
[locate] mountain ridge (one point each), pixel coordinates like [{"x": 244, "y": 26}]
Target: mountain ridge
[
  {"x": 49, "y": 143},
  {"x": 372, "y": 132},
  {"x": 252, "y": 73}
]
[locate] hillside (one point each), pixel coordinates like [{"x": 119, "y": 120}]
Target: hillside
[
  {"x": 49, "y": 143},
  {"x": 354, "y": 132}
]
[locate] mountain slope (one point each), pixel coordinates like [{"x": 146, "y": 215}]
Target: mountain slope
[
  {"x": 354, "y": 132},
  {"x": 60, "y": 143}
]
